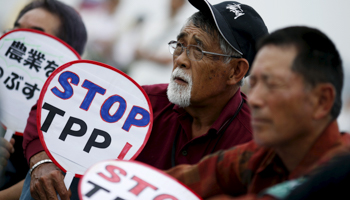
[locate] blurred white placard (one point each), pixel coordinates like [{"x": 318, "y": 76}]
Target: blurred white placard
[
  {"x": 120, "y": 179},
  {"x": 27, "y": 58}
]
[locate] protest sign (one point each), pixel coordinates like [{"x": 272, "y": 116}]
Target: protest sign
[
  {"x": 119, "y": 179},
  {"x": 27, "y": 58},
  {"x": 89, "y": 112}
]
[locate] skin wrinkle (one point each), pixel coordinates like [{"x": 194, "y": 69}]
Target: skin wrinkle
[
  {"x": 215, "y": 35},
  {"x": 209, "y": 76},
  {"x": 213, "y": 82}
]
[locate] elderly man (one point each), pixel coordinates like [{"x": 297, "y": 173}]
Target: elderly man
[
  {"x": 202, "y": 109},
  {"x": 295, "y": 98}
]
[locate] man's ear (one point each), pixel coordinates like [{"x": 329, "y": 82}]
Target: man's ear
[
  {"x": 324, "y": 100},
  {"x": 239, "y": 68}
]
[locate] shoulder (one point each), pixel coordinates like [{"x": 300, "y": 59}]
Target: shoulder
[
  {"x": 158, "y": 97},
  {"x": 157, "y": 93},
  {"x": 246, "y": 149},
  {"x": 235, "y": 155},
  {"x": 156, "y": 90},
  {"x": 246, "y": 157}
]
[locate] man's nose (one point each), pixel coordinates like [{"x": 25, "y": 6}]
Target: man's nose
[
  {"x": 256, "y": 96},
  {"x": 182, "y": 60}
]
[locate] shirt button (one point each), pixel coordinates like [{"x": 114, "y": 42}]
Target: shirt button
[{"x": 184, "y": 153}]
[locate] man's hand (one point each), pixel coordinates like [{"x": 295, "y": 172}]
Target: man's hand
[
  {"x": 46, "y": 180},
  {"x": 6, "y": 148}
]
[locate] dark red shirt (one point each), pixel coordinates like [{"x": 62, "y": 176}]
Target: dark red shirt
[
  {"x": 168, "y": 120},
  {"x": 31, "y": 142}
]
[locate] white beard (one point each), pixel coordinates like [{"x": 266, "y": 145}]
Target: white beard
[{"x": 180, "y": 94}]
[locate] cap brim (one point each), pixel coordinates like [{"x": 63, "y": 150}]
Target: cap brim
[{"x": 205, "y": 7}]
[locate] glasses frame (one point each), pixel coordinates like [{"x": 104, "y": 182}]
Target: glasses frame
[{"x": 203, "y": 52}]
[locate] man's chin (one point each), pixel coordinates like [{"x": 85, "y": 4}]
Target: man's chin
[
  {"x": 178, "y": 97},
  {"x": 262, "y": 138}
]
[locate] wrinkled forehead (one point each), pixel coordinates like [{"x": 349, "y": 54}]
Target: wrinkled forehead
[{"x": 191, "y": 31}]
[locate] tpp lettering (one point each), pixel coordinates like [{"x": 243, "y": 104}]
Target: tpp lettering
[
  {"x": 68, "y": 131},
  {"x": 138, "y": 116}
]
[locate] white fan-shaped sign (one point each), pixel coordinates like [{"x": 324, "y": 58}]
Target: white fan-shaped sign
[
  {"x": 89, "y": 112},
  {"x": 120, "y": 179},
  {"x": 27, "y": 58}
]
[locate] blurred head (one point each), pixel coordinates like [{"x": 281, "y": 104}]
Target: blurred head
[
  {"x": 111, "y": 6},
  {"x": 175, "y": 5},
  {"x": 55, "y": 18},
  {"x": 296, "y": 82}
]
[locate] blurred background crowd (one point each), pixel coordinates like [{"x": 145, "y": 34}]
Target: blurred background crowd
[{"x": 132, "y": 35}]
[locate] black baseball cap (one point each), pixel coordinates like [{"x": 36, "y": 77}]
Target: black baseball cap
[{"x": 239, "y": 24}]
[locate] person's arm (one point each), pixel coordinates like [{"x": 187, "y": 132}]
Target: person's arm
[
  {"x": 47, "y": 178},
  {"x": 31, "y": 142},
  {"x": 13, "y": 192},
  {"x": 216, "y": 174}
]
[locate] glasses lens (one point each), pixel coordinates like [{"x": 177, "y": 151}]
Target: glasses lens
[
  {"x": 172, "y": 47},
  {"x": 175, "y": 48},
  {"x": 195, "y": 52}
]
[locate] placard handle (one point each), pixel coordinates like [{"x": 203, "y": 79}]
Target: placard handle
[
  {"x": 8, "y": 134},
  {"x": 68, "y": 179}
]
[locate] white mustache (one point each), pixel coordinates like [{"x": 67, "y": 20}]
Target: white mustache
[{"x": 180, "y": 73}]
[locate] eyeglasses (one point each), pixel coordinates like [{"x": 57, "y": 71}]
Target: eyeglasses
[{"x": 194, "y": 52}]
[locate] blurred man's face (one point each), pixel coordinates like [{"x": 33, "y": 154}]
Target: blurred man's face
[
  {"x": 40, "y": 19},
  {"x": 279, "y": 99}
]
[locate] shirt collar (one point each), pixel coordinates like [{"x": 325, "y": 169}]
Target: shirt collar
[
  {"x": 227, "y": 112},
  {"x": 330, "y": 138}
]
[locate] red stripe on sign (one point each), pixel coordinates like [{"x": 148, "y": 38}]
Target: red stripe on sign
[{"x": 125, "y": 150}]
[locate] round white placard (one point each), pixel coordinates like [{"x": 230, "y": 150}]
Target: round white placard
[
  {"x": 89, "y": 112},
  {"x": 27, "y": 58},
  {"x": 121, "y": 180}
]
